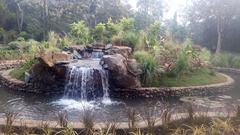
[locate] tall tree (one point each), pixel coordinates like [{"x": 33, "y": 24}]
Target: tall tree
[
  {"x": 148, "y": 12},
  {"x": 219, "y": 12}
]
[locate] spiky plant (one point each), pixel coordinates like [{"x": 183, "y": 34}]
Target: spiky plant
[
  {"x": 46, "y": 130},
  {"x": 197, "y": 130},
  {"x": 222, "y": 126},
  {"x": 9, "y": 119},
  {"x": 88, "y": 122},
  {"x": 63, "y": 119},
  {"x": 67, "y": 131},
  {"x": 132, "y": 119},
  {"x": 138, "y": 132}
]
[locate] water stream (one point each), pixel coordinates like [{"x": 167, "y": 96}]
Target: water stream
[{"x": 86, "y": 83}]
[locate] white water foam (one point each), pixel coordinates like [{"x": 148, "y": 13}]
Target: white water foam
[
  {"x": 81, "y": 105},
  {"x": 71, "y": 104}
]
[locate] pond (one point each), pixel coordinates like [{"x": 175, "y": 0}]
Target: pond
[{"x": 33, "y": 106}]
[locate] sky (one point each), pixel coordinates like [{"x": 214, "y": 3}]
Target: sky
[{"x": 172, "y": 6}]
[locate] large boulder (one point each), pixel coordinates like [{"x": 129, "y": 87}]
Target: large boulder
[
  {"x": 51, "y": 58},
  {"x": 132, "y": 67},
  {"x": 119, "y": 75},
  {"x": 123, "y": 50}
]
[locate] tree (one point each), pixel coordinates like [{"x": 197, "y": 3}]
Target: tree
[
  {"x": 148, "y": 12},
  {"x": 218, "y": 12},
  {"x": 177, "y": 32}
]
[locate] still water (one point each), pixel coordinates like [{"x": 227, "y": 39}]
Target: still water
[{"x": 33, "y": 106}]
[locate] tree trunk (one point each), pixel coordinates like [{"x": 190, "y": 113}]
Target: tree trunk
[
  {"x": 19, "y": 18},
  {"x": 219, "y": 33},
  {"x": 45, "y": 19}
]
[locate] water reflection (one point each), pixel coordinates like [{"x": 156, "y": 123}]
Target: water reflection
[{"x": 44, "y": 107}]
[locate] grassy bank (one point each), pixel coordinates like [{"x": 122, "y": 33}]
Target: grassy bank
[
  {"x": 19, "y": 72},
  {"x": 228, "y": 60},
  {"x": 201, "y": 77}
]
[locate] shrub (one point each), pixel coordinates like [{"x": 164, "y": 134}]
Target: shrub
[
  {"x": 111, "y": 30},
  {"x": 25, "y": 35},
  {"x": 184, "y": 62},
  {"x": 154, "y": 34},
  {"x": 19, "y": 73},
  {"x": 20, "y": 39},
  {"x": 33, "y": 47},
  {"x": 141, "y": 45},
  {"x": 65, "y": 42},
  {"x": 166, "y": 55},
  {"x": 80, "y": 32},
  {"x": 130, "y": 39},
  {"x": 99, "y": 32},
  {"x": 117, "y": 40},
  {"x": 13, "y": 45},
  {"x": 126, "y": 24},
  {"x": 10, "y": 54},
  {"x": 181, "y": 65},
  {"x": 226, "y": 60},
  {"x": 148, "y": 66},
  {"x": 205, "y": 56},
  {"x": 52, "y": 39},
  {"x": 2, "y": 33}
]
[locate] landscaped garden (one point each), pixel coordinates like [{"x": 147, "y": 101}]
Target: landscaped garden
[{"x": 109, "y": 68}]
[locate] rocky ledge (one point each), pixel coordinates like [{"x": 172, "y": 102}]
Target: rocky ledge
[
  {"x": 53, "y": 68},
  {"x": 174, "y": 92}
]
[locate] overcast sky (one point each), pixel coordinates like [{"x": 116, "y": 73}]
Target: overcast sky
[{"x": 172, "y": 6}]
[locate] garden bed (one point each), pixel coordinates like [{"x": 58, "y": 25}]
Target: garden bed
[
  {"x": 193, "y": 79},
  {"x": 176, "y": 92}
]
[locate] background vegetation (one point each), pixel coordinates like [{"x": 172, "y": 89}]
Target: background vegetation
[{"x": 164, "y": 48}]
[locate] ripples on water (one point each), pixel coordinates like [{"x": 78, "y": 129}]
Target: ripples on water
[{"x": 43, "y": 107}]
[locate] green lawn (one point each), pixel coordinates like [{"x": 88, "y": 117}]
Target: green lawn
[{"x": 193, "y": 79}]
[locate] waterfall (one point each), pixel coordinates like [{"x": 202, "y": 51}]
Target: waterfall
[
  {"x": 97, "y": 54},
  {"x": 86, "y": 83}
]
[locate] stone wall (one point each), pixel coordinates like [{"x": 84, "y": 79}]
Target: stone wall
[
  {"x": 174, "y": 92},
  {"x": 159, "y": 92},
  {"x": 9, "y": 64},
  {"x": 18, "y": 85}
]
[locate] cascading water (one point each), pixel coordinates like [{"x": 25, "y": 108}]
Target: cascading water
[
  {"x": 86, "y": 80},
  {"x": 97, "y": 54}
]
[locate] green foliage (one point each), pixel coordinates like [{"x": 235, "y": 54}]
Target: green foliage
[
  {"x": 53, "y": 42},
  {"x": 196, "y": 78},
  {"x": 10, "y": 54},
  {"x": 181, "y": 64},
  {"x": 13, "y": 45},
  {"x": 130, "y": 39},
  {"x": 99, "y": 32},
  {"x": 205, "y": 55},
  {"x": 2, "y": 34},
  {"x": 182, "y": 61},
  {"x": 33, "y": 47},
  {"x": 19, "y": 73},
  {"x": 52, "y": 39},
  {"x": 226, "y": 60},
  {"x": 65, "y": 42},
  {"x": 112, "y": 30},
  {"x": 126, "y": 24},
  {"x": 117, "y": 40},
  {"x": 80, "y": 32},
  {"x": 155, "y": 32},
  {"x": 148, "y": 66}
]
